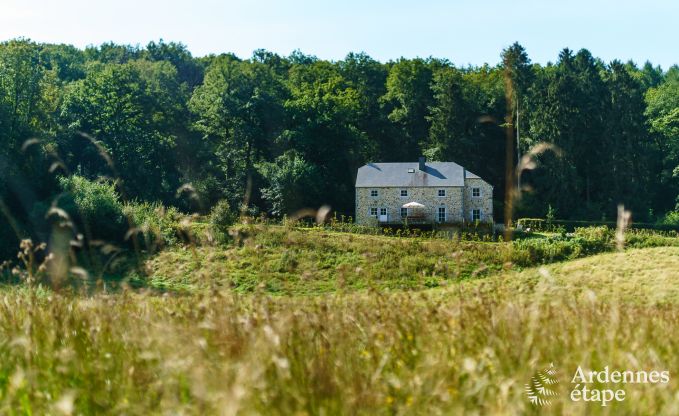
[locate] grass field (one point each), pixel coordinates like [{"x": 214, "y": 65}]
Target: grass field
[
  {"x": 281, "y": 261},
  {"x": 315, "y": 322}
]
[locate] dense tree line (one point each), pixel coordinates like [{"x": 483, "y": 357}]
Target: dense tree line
[{"x": 275, "y": 134}]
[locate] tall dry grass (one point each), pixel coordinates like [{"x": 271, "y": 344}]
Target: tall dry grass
[{"x": 459, "y": 351}]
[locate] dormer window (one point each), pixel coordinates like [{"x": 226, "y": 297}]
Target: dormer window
[
  {"x": 374, "y": 193},
  {"x": 404, "y": 192},
  {"x": 411, "y": 170}
]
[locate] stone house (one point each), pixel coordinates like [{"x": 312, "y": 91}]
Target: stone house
[{"x": 421, "y": 193}]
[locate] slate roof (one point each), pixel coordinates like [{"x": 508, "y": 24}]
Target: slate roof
[{"x": 436, "y": 174}]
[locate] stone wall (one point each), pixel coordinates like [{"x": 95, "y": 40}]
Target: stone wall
[
  {"x": 484, "y": 202},
  {"x": 391, "y": 199},
  {"x": 458, "y": 202}
]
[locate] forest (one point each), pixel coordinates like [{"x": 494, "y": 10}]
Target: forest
[{"x": 274, "y": 134}]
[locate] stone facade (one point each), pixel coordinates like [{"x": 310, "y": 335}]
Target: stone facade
[
  {"x": 483, "y": 202},
  {"x": 458, "y": 203}
]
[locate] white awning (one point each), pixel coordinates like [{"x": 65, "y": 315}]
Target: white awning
[{"x": 413, "y": 205}]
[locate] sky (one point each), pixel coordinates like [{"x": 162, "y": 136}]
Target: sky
[{"x": 465, "y": 32}]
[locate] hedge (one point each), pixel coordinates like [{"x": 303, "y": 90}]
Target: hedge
[{"x": 541, "y": 224}]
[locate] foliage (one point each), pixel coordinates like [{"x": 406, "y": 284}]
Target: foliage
[
  {"x": 552, "y": 249},
  {"x": 96, "y": 205},
  {"x": 239, "y": 110},
  {"x": 221, "y": 218},
  {"x": 541, "y": 224},
  {"x": 280, "y": 133},
  {"x": 662, "y": 112},
  {"x": 293, "y": 184},
  {"x": 131, "y": 110},
  {"x": 154, "y": 226},
  {"x": 671, "y": 219}
]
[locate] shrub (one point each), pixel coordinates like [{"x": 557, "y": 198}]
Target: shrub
[
  {"x": 95, "y": 206},
  {"x": 594, "y": 239},
  {"x": 535, "y": 224},
  {"x": 671, "y": 219},
  {"x": 539, "y": 224},
  {"x": 154, "y": 225},
  {"x": 529, "y": 252},
  {"x": 221, "y": 218},
  {"x": 584, "y": 241},
  {"x": 648, "y": 238}
]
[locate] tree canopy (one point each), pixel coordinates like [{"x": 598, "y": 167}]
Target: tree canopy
[{"x": 278, "y": 134}]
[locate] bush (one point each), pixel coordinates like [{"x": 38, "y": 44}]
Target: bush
[
  {"x": 529, "y": 252},
  {"x": 221, "y": 218},
  {"x": 155, "y": 225},
  {"x": 583, "y": 242},
  {"x": 539, "y": 224},
  {"x": 594, "y": 239},
  {"x": 95, "y": 206},
  {"x": 535, "y": 224},
  {"x": 671, "y": 219},
  {"x": 648, "y": 238}
]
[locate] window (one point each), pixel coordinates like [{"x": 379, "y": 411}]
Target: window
[
  {"x": 442, "y": 214},
  {"x": 373, "y": 192},
  {"x": 383, "y": 211},
  {"x": 411, "y": 170},
  {"x": 373, "y": 212},
  {"x": 476, "y": 215},
  {"x": 404, "y": 212},
  {"x": 476, "y": 192},
  {"x": 442, "y": 192},
  {"x": 404, "y": 192}
]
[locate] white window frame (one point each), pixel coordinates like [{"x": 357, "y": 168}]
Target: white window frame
[
  {"x": 402, "y": 191},
  {"x": 439, "y": 211},
  {"x": 404, "y": 210},
  {"x": 476, "y": 191},
  {"x": 374, "y": 193},
  {"x": 383, "y": 210},
  {"x": 370, "y": 212},
  {"x": 441, "y": 193},
  {"x": 475, "y": 211}
]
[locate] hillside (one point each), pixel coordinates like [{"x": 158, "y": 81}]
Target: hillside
[
  {"x": 647, "y": 276},
  {"x": 469, "y": 347},
  {"x": 292, "y": 261},
  {"x": 279, "y": 260}
]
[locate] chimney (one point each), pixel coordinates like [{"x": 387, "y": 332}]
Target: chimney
[{"x": 423, "y": 160}]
